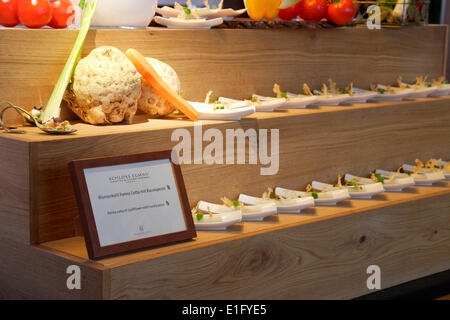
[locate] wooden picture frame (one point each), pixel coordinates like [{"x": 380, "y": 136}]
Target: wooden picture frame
[{"x": 87, "y": 217}]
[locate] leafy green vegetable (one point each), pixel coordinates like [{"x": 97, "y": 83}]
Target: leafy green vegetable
[
  {"x": 407, "y": 172},
  {"x": 315, "y": 195},
  {"x": 284, "y": 95},
  {"x": 445, "y": 82},
  {"x": 199, "y": 216},
  {"x": 187, "y": 11},
  {"x": 382, "y": 91},
  {"x": 53, "y": 107},
  {"x": 429, "y": 85},
  {"x": 236, "y": 204}
]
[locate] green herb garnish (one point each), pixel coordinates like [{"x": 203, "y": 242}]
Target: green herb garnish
[
  {"x": 429, "y": 85},
  {"x": 382, "y": 91},
  {"x": 199, "y": 216},
  {"x": 187, "y": 11},
  {"x": 379, "y": 178},
  {"x": 236, "y": 204},
  {"x": 407, "y": 172},
  {"x": 445, "y": 82},
  {"x": 315, "y": 195},
  {"x": 284, "y": 95}
]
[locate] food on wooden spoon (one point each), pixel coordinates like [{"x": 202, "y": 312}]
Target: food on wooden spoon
[
  {"x": 150, "y": 101},
  {"x": 105, "y": 87}
]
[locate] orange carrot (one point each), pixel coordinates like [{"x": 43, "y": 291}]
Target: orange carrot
[{"x": 153, "y": 79}]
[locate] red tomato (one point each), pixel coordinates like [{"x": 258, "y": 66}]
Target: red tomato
[
  {"x": 63, "y": 14},
  {"x": 289, "y": 13},
  {"x": 341, "y": 12},
  {"x": 313, "y": 10},
  {"x": 34, "y": 13},
  {"x": 8, "y": 13}
]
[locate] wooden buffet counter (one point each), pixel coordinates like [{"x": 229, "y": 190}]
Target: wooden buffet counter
[{"x": 322, "y": 253}]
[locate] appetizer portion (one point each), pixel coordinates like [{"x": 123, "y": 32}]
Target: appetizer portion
[
  {"x": 421, "y": 88},
  {"x": 208, "y": 216},
  {"x": 226, "y": 109},
  {"x": 57, "y": 126},
  {"x": 294, "y": 101},
  {"x": 187, "y": 17},
  {"x": 424, "y": 175},
  {"x": 358, "y": 95},
  {"x": 355, "y": 190},
  {"x": 391, "y": 93},
  {"x": 442, "y": 87},
  {"x": 284, "y": 205},
  {"x": 362, "y": 188},
  {"x": 393, "y": 181},
  {"x": 266, "y": 104},
  {"x": 445, "y": 166},
  {"x": 251, "y": 212},
  {"x": 321, "y": 198},
  {"x": 205, "y": 12},
  {"x": 329, "y": 95}
]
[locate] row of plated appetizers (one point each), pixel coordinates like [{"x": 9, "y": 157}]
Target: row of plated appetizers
[
  {"x": 329, "y": 95},
  {"x": 210, "y": 216}
]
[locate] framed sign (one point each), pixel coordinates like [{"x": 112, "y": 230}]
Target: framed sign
[{"x": 131, "y": 202}]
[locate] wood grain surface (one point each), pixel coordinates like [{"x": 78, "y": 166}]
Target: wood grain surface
[
  {"x": 27, "y": 272},
  {"x": 322, "y": 253},
  {"x": 314, "y": 144},
  {"x": 15, "y": 190},
  {"x": 234, "y": 63}
]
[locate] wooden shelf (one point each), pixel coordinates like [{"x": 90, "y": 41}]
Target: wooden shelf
[
  {"x": 75, "y": 246},
  {"x": 321, "y": 253}
]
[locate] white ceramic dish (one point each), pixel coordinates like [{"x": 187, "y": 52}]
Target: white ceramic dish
[
  {"x": 202, "y": 12},
  {"x": 425, "y": 177},
  {"x": 328, "y": 198},
  {"x": 398, "y": 96},
  {"x": 443, "y": 90},
  {"x": 207, "y": 113},
  {"x": 361, "y": 96},
  {"x": 422, "y": 92},
  {"x": 369, "y": 188},
  {"x": 264, "y": 106},
  {"x": 119, "y": 13},
  {"x": 249, "y": 213},
  {"x": 446, "y": 174},
  {"x": 331, "y": 100},
  {"x": 295, "y": 101},
  {"x": 268, "y": 104},
  {"x": 218, "y": 221},
  {"x": 175, "y": 23},
  {"x": 400, "y": 181},
  {"x": 283, "y": 205},
  {"x": 367, "y": 193}
]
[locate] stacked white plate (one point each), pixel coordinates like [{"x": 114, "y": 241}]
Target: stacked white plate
[{"x": 283, "y": 205}]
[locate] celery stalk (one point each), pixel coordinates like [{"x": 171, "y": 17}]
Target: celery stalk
[{"x": 53, "y": 108}]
